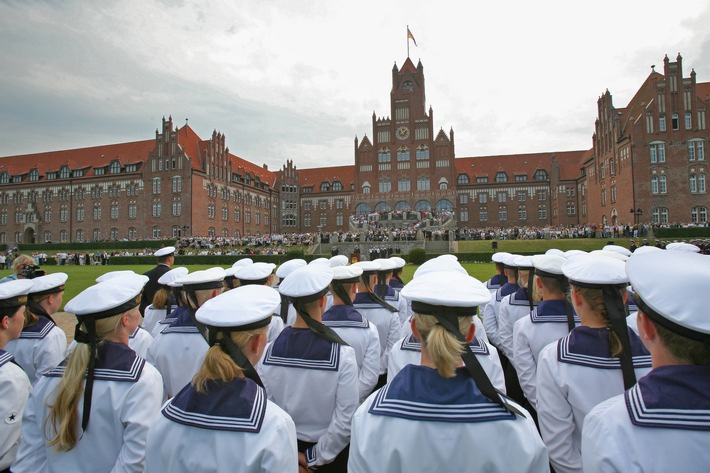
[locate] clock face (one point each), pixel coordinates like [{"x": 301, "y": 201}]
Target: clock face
[
  {"x": 402, "y": 132},
  {"x": 407, "y": 85}
]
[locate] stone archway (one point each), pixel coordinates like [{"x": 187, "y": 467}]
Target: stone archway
[{"x": 29, "y": 236}]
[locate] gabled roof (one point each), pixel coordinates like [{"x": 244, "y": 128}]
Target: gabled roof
[
  {"x": 513, "y": 164},
  {"x": 703, "y": 90},
  {"x": 315, "y": 176},
  {"x": 82, "y": 158},
  {"x": 240, "y": 166}
]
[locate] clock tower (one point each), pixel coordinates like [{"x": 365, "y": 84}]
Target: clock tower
[{"x": 404, "y": 166}]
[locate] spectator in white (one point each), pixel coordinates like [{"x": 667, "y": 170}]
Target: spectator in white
[
  {"x": 222, "y": 418},
  {"x": 444, "y": 415},
  {"x": 42, "y": 344},
  {"x": 92, "y": 413},
  {"x": 660, "y": 424},
  {"x": 15, "y": 386}
]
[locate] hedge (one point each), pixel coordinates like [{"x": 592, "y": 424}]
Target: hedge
[
  {"x": 94, "y": 245},
  {"x": 217, "y": 260},
  {"x": 685, "y": 232}
]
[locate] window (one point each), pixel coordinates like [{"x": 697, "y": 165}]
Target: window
[
  {"x": 225, "y": 213},
  {"x": 463, "y": 198},
  {"x": 699, "y": 214},
  {"x": 97, "y": 211},
  {"x": 521, "y": 177},
  {"x": 96, "y": 234},
  {"x": 483, "y": 214},
  {"x": 34, "y": 175},
  {"x": 612, "y": 167},
  {"x": 693, "y": 183},
  {"x": 237, "y": 215},
  {"x": 502, "y": 197},
  {"x": 307, "y": 221},
  {"x": 602, "y": 171},
  {"x": 64, "y": 172},
  {"x": 613, "y": 194},
  {"x": 522, "y": 196},
  {"x": 404, "y": 185},
  {"x": 649, "y": 123},
  {"x": 114, "y": 210},
  {"x": 132, "y": 233},
  {"x": 657, "y": 152},
  {"x": 80, "y": 235},
  {"x": 542, "y": 212},
  {"x": 63, "y": 214},
  {"x": 385, "y": 185},
  {"x": 210, "y": 211},
  {"x": 384, "y": 156},
  {"x": 463, "y": 215},
  {"x": 132, "y": 209},
  {"x": 462, "y": 179},
  {"x": 696, "y": 150},
  {"x": 403, "y": 154},
  {"x": 501, "y": 177},
  {"x": 156, "y": 231},
  {"x": 482, "y": 198},
  {"x": 674, "y": 121},
  {"x": 540, "y": 175},
  {"x": 571, "y": 208},
  {"x": 662, "y": 184},
  {"x": 701, "y": 182},
  {"x": 62, "y": 236},
  {"x": 522, "y": 212},
  {"x": 323, "y": 220},
  {"x": 115, "y": 167},
  {"x": 80, "y": 212},
  {"x": 3, "y": 217},
  {"x": 337, "y": 186},
  {"x": 443, "y": 186},
  {"x": 662, "y": 123},
  {"x": 247, "y": 216},
  {"x": 654, "y": 185},
  {"x": 156, "y": 185},
  {"x": 482, "y": 180},
  {"x": 323, "y": 204},
  {"x": 257, "y": 218},
  {"x": 177, "y": 184},
  {"x": 502, "y": 214},
  {"x": 688, "y": 121},
  {"x": 422, "y": 152},
  {"x": 423, "y": 184},
  {"x": 158, "y": 209},
  {"x": 324, "y": 186},
  {"x": 541, "y": 195},
  {"x": 366, "y": 188}
]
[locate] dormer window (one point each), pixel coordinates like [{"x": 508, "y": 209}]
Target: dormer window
[
  {"x": 64, "y": 172},
  {"x": 78, "y": 173},
  {"x": 34, "y": 175},
  {"x": 324, "y": 186},
  {"x": 99, "y": 171},
  {"x": 115, "y": 167},
  {"x": 540, "y": 175},
  {"x": 337, "y": 186},
  {"x": 4, "y": 178},
  {"x": 501, "y": 176}
]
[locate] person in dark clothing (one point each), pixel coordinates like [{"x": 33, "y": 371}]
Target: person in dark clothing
[{"x": 166, "y": 258}]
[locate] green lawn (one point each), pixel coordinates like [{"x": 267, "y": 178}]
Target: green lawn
[{"x": 540, "y": 246}]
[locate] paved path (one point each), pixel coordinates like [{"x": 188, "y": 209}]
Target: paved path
[{"x": 66, "y": 322}]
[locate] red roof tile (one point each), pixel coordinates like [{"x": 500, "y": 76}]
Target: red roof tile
[
  {"x": 703, "y": 90},
  {"x": 513, "y": 164},
  {"x": 314, "y": 176}
]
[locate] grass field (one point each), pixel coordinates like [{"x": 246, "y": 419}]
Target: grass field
[{"x": 81, "y": 277}]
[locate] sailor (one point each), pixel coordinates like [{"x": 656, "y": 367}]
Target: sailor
[
  {"x": 42, "y": 344},
  {"x": 353, "y": 327},
  {"x": 490, "y": 311},
  {"x": 15, "y": 386},
  {"x": 661, "y": 424},
  {"x": 221, "y": 420},
  {"x": 548, "y": 322},
  {"x": 311, "y": 373},
  {"x": 515, "y": 306},
  {"x": 92, "y": 412},
  {"x": 399, "y": 264},
  {"x": 180, "y": 306},
  {"x": 164, "y": 301},
  {"x": 261, "y": 274},
  {"x": 180, "y": 348},
  {"x": 285, "y": 308},
  {"x": 379, "y": 312},
  {"x": 387, "y": 292},
  {"x": 230, "y": 280},
  {"x": 166, "y": 259},
  {"x": 499, "y": 279},
  {"x": 444, "y": 415},
  {"x": 597, "y": 360}
]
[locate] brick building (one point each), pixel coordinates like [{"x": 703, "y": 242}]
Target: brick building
[{"x": 647, "y": 157}]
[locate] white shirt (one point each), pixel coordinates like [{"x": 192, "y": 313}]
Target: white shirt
[
  {"x": 490, "y": 312},
  {"x": 511, "y": 309},
  {"x": 386, "y": 322},
  {"x": 151, "y": 316},
  {"x": 139, "y": 341},
  {"x": 40, "y": 348},
  {"x": 15, "y": 387},
  {"x": 362, "y": 336},
  {"x": 434, "y": 424},
  {"x": 568, "y": 389},
  {"x": 126, "y": 398},
  {"x": 205, "y": 433},
  {"x": 316, "y": 382}
]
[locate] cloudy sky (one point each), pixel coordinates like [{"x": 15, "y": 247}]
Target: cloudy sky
[{"x": 299, "y": 79}]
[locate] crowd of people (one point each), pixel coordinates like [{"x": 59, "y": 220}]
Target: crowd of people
[{"x": 551, "y": 362}]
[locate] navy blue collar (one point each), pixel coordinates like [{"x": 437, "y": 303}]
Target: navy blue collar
[
  {"x": 551, "y": 312},
  {"x": 237, "y": 406},
  {"x": 675, "y": 397},
  {"x": 5, "y": 357},
  {"x": 114, "y": 362},
  {"x": 505, "y": 289},
  {"x": 412, "y": 343},
  {"x": 396, "y": 284},
  {"x": 520, "y": 297},
  {"x": 40, "y": 329},
  {"x": 364, "y": 298},
  {"x": 496, "y": 281},
  {"x": 302, "y": 348},
  {"x": 344, "y": 316},
  {"x": 420, "y": 393},
  {"x": 588, "y": 346}
]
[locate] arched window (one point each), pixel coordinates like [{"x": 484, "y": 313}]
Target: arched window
[
  {"x": 402, "y": 205},
  {"x": 382, "y": 207},
  {"x": 325, "y": 186},
  {"x": 403, "y": 154},
  {"x": 443, "y": 184},
  {"x": 540, "y": 175},
  {"x": 337, "y": 186},
  {"x": 501, "y": 176},
  {"x": 422, "y": 205},
  {"x": 444, "y": 204},
  {"x": 463, "y": 179},
  {"x": 365, "y": 187},
  {"x": 363, "y": 209},
  {"x": 384, "y": 156},
  {"x": 422, "y": 152},
  {"x": 115, "y": 167}
]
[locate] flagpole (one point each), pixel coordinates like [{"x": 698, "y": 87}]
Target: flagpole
[{"x": 407, "y": 41}]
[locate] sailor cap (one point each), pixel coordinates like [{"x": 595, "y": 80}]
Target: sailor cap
[
  {"x": 49, "y": 284},
  {"x": 287, "y": 267},
  {"x": 173, "y": 275},
  {"x": 549, "y": 265},
  {"x": 107, "y": 298},
  {"x": 14, "y": 293},
  {"x": 255, "y": 272},
  {"x": 595, "y": 270},
  {"x": 338, "y": 260},
  {"x": 499, "y": 256},
  {"x": 206, "y": 279},
  {"x": 462, "y": 290},
  {"x": 309, "y": 281},
  {"x": 242, "y": 262},
  {"x": 398, "y": 262},
  {"x": 242, "y": 308},
  {"x": 167, "y": 251},
  {"x": 347, "y": 273},
  {"x": 113, "y": 274}
]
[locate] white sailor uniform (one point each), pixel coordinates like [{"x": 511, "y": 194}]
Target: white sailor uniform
[
  {"x": 139, "y": 341},
  {"x": 152, "y": 316},
  {"x": 362, "y": 336},
  {"x": 15, "y": 387},
  {"x": 40, "y": 348},
  {"x": 316, "y": 382},
  {"x": 490, "y": 312},
  {"x": 169, "y": 319},
  {"x": 399, "y": 302},
  {"x": 660, "y": 424},
  {"x": 126, "y": 398},
  {"x": 275, "y": 327},
  {"x": 386, "y": 322},
  {"x": 408, "y": 351},
  {"x": 421, "y": 422},
  {"x": 231, "y": 427},
  {"x": 178, "y": 353},
  {"x": 575, "y": 374},
  {"x": 511, "y": 309},
  {"x": 545, "y": 324}
]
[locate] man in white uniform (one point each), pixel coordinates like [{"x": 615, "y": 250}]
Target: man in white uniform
[{"x": 662, "y": 423}]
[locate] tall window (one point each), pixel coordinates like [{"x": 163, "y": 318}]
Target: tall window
[
  {"x": 177, "y": 207},
  {"x": 657, "y": 152},
  {"x": 384, "y": 156},
  {"x": 654, "y": 185},
  {"x": 502, "y": 197},
  {"x": 522, "y": 212},
  {"x": 404, "y": 185},
  {"x": 674, "y": 121},
  {"x": 423, "y": 184},
  {"x": 696, "y": 150},
  {"x": 699, "y": 214},
  {"x": 47, "y": 215},
  {"x": 157, "y": 208},
  {"x": 662, "y": 123},
  {"x": 156, "y": 231},
  {"x": 422, "y": 152},
  {"x": 693, "y": 183},
  {"x": 114, "y": 210},
  {"x": 156, "y": 185},
  {"x": 483, "y": 214},
  {"x": 482, "y": 198},
  {"x": 688, "y": 121},
  {"x": 662, "y": 184},
  {"x": 403, "y": 154},
  {"x": 177, "y": 184},
  {"x": 502, "y": 214},
  {"x": 132, "y": 209},
  {"x": 385, "y": 185}
]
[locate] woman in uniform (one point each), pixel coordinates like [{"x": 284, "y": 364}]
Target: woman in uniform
[
  {"x": 92, "y": 413},
  {"x": 222, "y": 418},
  {"x": 444, "y": 414},
  {"x": 597, "y": 360},
  {"x": 164, "y": 300}
]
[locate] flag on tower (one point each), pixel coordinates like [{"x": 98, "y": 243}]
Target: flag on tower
[{"x": 411, "y": 36}]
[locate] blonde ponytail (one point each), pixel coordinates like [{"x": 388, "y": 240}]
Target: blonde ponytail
[
  {"x": 443, "y": 347},
  {"x": 64, "y": 413}
]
